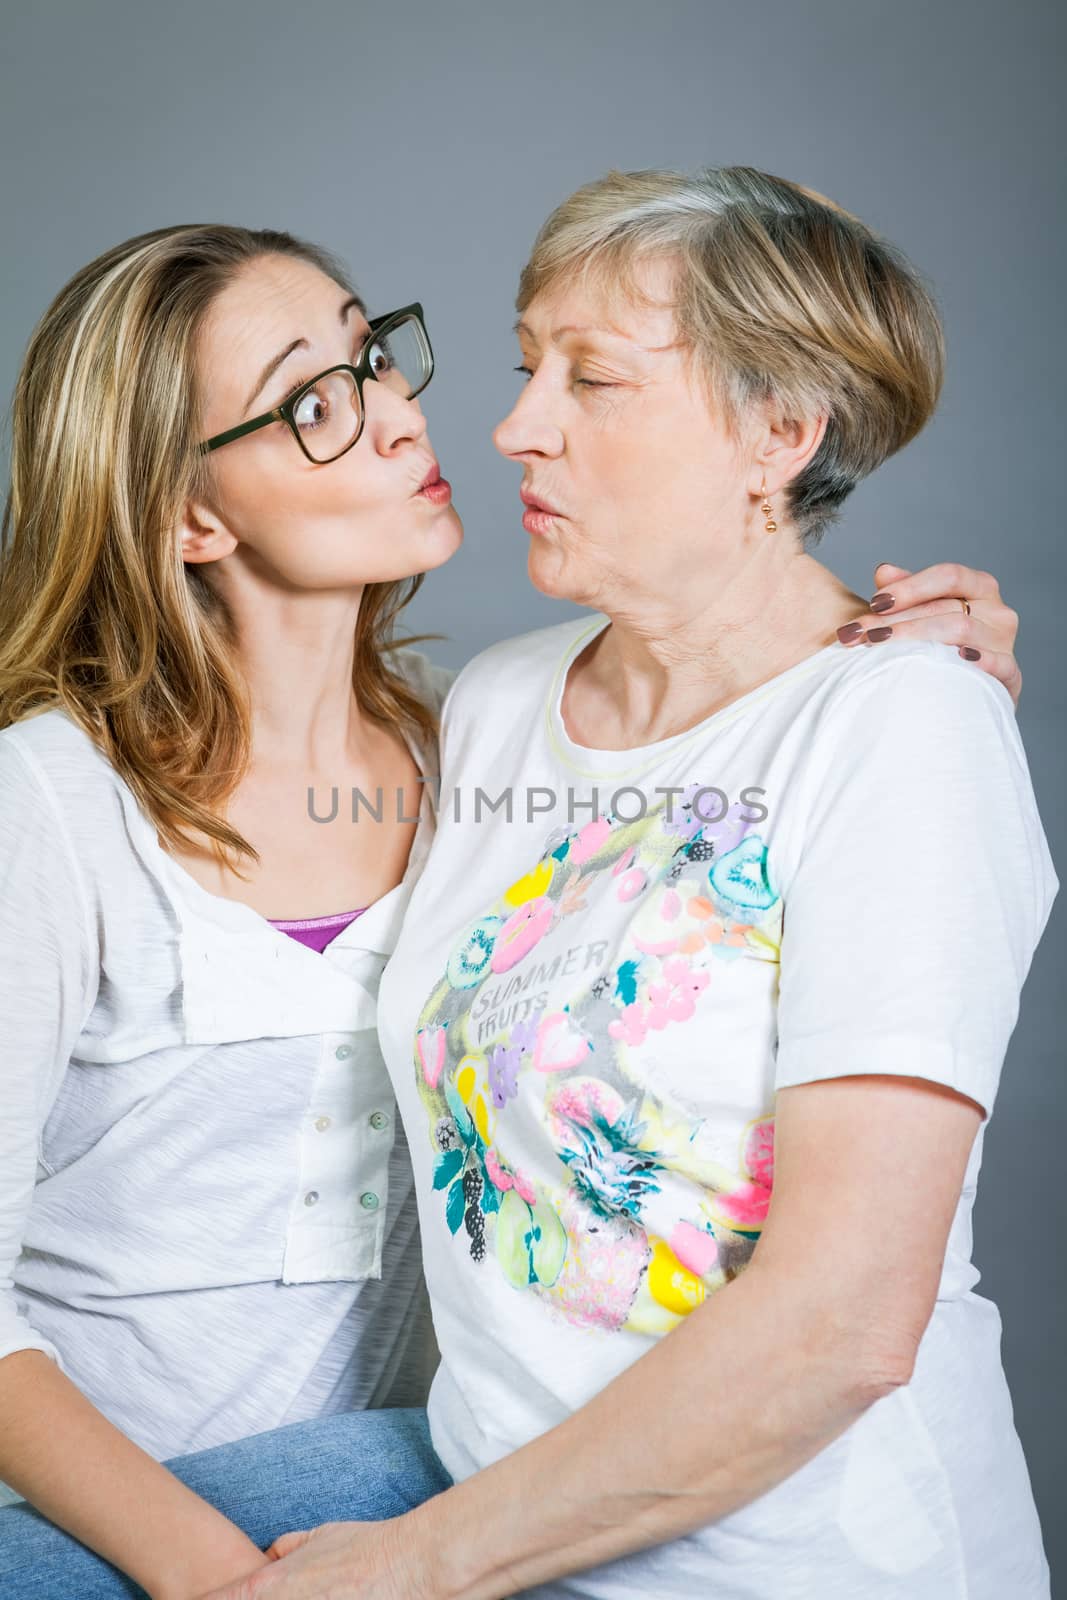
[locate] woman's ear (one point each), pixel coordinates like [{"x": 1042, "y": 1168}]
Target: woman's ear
[
  {"x": 203, "y": 534},
  {"x": 786, "y": 445}
]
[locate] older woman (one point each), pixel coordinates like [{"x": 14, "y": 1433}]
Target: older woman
[
  {"x": 699, "y": 1008},
  {"x": 582, "y": 1017}
]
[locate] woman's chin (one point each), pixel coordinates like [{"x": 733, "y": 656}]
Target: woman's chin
[
  {"x": 447, "y": 532},
  {"x": 438, "y": 543},
  {"x": 549, "y": 571},
  {"x": 419, "y": 552}
]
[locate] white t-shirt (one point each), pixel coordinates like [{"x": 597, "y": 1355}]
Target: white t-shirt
[
  {"x": 586, "y": 1019},
  {"x": 206, "y": 1208}
]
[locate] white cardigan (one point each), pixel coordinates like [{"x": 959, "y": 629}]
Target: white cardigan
[{"x": 206, "y": 1207}]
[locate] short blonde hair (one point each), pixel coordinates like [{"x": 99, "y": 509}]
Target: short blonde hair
[
  {"x": 780, "y": 294},
  {"x": 99, "y": 613}
]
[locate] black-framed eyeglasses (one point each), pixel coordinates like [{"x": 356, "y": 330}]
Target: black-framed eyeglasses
[{"x": 326, "y": 414}]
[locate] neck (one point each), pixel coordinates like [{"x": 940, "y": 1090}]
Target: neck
[
  {"x": 670, "y": 659},
  {"x": 297, "y": 654}
]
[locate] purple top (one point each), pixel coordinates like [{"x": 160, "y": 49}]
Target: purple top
[{"x": 316, "y": 932}]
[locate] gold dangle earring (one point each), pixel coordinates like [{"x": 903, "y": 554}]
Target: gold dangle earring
[{"x": 770, "y": 524}]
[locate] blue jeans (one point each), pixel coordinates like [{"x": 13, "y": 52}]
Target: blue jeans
[{"x": 353, "y": 1466}]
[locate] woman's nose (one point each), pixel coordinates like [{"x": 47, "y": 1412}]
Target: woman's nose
[
  {"x": 502, "y": 434},
  {"x": 391, "y": 417},
  {"x": 523, "y": 431}
]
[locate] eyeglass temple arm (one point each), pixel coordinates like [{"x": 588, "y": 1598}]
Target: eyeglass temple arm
[{"x": 241, "y": 429}]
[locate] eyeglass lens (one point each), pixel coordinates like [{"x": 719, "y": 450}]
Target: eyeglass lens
[{"x": 328, "y": 414}]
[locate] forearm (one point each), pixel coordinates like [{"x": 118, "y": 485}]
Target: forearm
[
  {"x": 85, "y": 1475},
  {"x": 753, "y": 1385}
]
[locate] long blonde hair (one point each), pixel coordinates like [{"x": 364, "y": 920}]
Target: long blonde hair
[
  {"x": 779, "y": 293},
  {"x": 99, "y": 614}
]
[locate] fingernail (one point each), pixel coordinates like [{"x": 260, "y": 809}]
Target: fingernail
[
  {"x": 970, "y": 655},
  {"x": 876, "y": 635},
  {"x": 850, "y": 631},
  {"x": 882, "y": 602}
]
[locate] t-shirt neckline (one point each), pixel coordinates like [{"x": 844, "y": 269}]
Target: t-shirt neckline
[{"x": 592, "y": 761}]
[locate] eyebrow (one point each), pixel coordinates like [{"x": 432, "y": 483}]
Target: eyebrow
[{"x": 298, "y": 344}]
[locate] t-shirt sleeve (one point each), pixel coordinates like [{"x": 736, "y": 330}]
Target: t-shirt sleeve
[
  {"x": 48, "y": 980},
  {"x": 917, "y": 882}
]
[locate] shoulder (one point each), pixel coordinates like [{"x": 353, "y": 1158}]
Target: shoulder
[
  {"x": 49, "y": 753},
  {"x": 519, "y": 670},
  {"x": 917, "y": 689},
  {"x": 63, "y": 802},
  {"x": 909, "y": 742},
  {"x": 430, "y": 681},
  {"x": 926, "y": 741}
]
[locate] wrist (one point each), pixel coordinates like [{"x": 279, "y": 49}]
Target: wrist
[
  {"x": 442, "y": 1558},
  {"x": 414, "y": 1552},
  {"x": 225, "y": 1560}
]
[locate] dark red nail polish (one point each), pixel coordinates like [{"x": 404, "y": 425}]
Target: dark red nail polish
[
  {"x": 882, "y": 602},
  {"x": 970, "y": 655},
  {"x": 876, "y": 635},
  {"x": 850, "y": 631}
]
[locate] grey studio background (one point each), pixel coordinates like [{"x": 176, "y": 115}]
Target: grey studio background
[{"x": 426, "y": 141}]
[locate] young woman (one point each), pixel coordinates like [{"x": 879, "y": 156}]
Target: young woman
[
  {"x": 208, "y": 1215},
  {"x": 206, "y": 1208}
]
